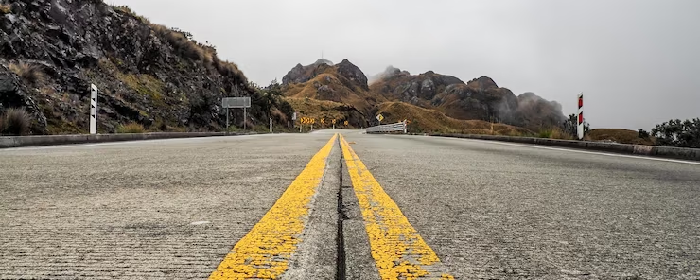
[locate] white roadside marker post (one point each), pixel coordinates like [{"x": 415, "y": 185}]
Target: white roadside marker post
[
  {"x": 93, "y": 109},
  {"x": 580, "y": 119}
]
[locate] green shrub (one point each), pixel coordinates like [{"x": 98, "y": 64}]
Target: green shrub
[
  {"x": 131, "y": 128},
  {"x": 678, "y": 133},
  {"x": 554, "y": 133},
  {"x": 545, "y": 133},
  {"x": 15, "y": 122}
]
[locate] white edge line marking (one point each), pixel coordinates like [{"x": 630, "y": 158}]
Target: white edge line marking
[
  {"x": 579, "y": 151},
  {"x": 618, "y": 155},
  {"x": 118, "y": 143}
]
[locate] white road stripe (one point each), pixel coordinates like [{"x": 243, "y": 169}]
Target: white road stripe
[
  {"x": 618, "y": 155},
  {"x": 132, "y": 142},
  {"x": 581, "y": 151}
]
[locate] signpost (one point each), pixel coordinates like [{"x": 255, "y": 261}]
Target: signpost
[
  {"x": 93, "y": 109},
  {"x": 581, "y": 126},
  {"x": 380, "y": 118},
  {"x": 333, "y": 123},
  {"x": 346, "y": 123},
  {"x": 306, "y": 120},
  {"x": 236, "y": 103}
]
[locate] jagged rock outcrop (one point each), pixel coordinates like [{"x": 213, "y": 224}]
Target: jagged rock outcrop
[
  {"x": 343, "y": 83},
  {"x": 537, "y": 111},
  {"x": 301, "y": 74},
  {"x": 350, "y": 74},
  {"x": 390, "y": 71},
  {"x": 478, "y": 99},
  {"x": 353, "y": 73},
  {"x": 146, "y": 73}
]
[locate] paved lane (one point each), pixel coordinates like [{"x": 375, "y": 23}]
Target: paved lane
[
  {"x": 168, "y": 209},
  {"x": 498, "y": 211}
]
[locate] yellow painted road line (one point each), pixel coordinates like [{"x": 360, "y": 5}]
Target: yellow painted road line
[
  {"x": 399, "y": 251},
  {"x": 265, "y": 251}
]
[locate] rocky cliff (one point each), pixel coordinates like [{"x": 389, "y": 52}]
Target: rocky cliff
[
  {"x": 52, "y": 50},
  {"x": 478, "y": 99},
  {"x": 343, "y": 84}
]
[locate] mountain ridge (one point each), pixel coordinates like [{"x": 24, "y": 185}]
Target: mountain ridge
[{"x": 478, "y": 99}]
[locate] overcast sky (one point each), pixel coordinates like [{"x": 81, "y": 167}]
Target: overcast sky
[{"x": 637, "y": 62}]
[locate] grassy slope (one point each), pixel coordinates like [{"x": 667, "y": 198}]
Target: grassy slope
[
  {"x": 623, "y": 136},
  {"x": 317, "y": 109},
  {"x": 339, "y": 91},
  {"x": 425, "y": 120}
]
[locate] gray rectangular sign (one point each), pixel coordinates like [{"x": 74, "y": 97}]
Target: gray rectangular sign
[{"x": 236, "y": 102}]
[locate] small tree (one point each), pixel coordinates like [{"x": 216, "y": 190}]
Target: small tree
[
  {"x": 571, "y": 126},
  {"x": 644, "y": 134},
  {"x": 678, "y": 133}
]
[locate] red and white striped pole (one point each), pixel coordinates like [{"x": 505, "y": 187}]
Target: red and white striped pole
[{"x": 581, "y": 130}]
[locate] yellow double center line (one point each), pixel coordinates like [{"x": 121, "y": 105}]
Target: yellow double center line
[
  {"x": 398, "y": 249},
  {"x": 265, "y": 251}
]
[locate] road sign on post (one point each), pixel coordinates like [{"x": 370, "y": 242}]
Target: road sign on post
[
  {"x": 581, "y": 125},
  {"x": 236, "y": 103},
  {"x": 380, "y": 118},
  {"x": 93, "y": 109}
]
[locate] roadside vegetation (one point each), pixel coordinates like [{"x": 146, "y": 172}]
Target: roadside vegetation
[
  {"x": 15, "y": 122},
  {"x": 32, "y": 74},
  {"x": 5, "y": 9},
  {"x": 131, "y": 128},
  {"x": 678, "y": 133}
]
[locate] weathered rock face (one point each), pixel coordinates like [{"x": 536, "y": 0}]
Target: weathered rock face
[
  {"x": 343, "y": 83},
  {"x": 351, "y": 72},
  {"x": 390, "y": 71},
  {"x": 13, "y": 94},
  {"x": 478, "y": 99},
  {"x": 301, "y": 74},
  {"x": 417, "y": 90},
  {"x": 146, "y": 73},
  {"x": 535, "y": 110},
  {"x": 482, "y": 83},
  {"x": 345, "y": 70}
]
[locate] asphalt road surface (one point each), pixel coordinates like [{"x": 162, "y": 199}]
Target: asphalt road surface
[
  {"x": 153, "y": 209},
  {"x": 501, "y": 211},
  {"x": 176, "y": 209}
]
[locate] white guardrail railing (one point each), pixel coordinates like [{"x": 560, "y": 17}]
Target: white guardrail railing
[{"x": 402, "y": 126}]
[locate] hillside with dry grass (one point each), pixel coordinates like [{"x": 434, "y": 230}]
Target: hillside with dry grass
[
  {"x": 310, "y": 88},
  {"x": 148, "y": 75},
  {"x": 479, "y": 99},
  {"x": 426, "y": 120},
  {"x": 432, "y": 101},
  {"x": 622, "y": 136}
]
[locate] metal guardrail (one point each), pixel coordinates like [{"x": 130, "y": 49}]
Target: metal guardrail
[{"x": 402, "y": 126}]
